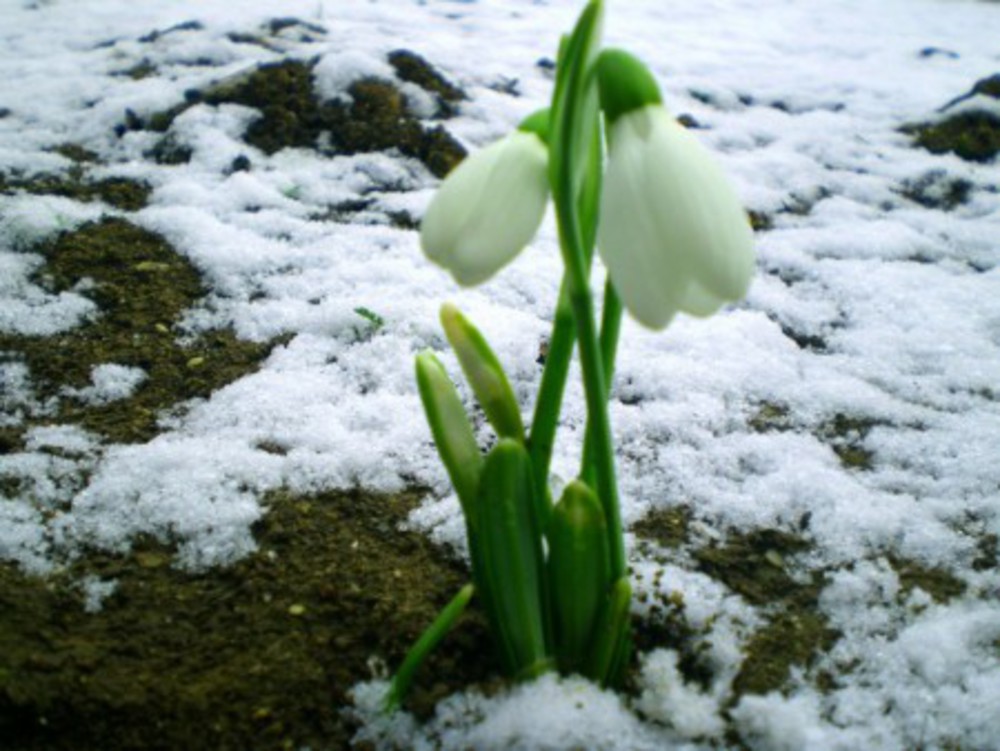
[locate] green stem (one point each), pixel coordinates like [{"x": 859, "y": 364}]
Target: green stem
[
  {"x": 550, "y": 393},
  {"x": 546, "y": 418},
  {"x": 575, "y": 125},
  {"x": 574, "y": 257},
  {"x": 611, "y": 323}
]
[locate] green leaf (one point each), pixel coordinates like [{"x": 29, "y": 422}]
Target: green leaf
[
  {"x": 441, "y": 625},
  {"x": 510, "y": 549},
  {"x": 371, "y": 316},
  {"x": 575, "y": 104},
  {"x": 484, "y": 373},
  {"x": 453, "y": 436},
  {"x": 579, "y": 569},
  {"x": 608, "y": 656}
]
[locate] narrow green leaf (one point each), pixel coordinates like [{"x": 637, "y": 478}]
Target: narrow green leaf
[
  {"x": 574, "y": 103},
  {"x": 510, "y": 548},
  {"x": 579, "y": 569},
  {"x": 453, "y": 436},
  {"x": 484, "y": 373},
  {"x": 608, "y": 654},
  {"x": 403, "y": 678}
]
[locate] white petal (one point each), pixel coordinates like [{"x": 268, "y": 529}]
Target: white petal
[
  {"x": 673, "y": 233},
  {"x": 704, "y": 215},
  {"x": 488, "y": 208},
  {"x": 628, "y": 240}
]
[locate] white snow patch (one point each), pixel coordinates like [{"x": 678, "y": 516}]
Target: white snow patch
[{"x": 108, "y": 383}]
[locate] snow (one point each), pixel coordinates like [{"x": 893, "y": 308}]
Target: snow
[
  {"x": 109, "y": 382},
  {"x": 898, "y": 304}
]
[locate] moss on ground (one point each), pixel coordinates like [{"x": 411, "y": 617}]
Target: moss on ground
[
  {"x": 791, "y": 638},
  {"x": 415, "y": 69},
  {"x": 667, "y": 527},
  {"x": 769, "y": 417},
  {"x": 127, "y": 195},
  {"x": 142, "y": 287},
  {"x": 846, "y": 434},
  {"x": 939, "y": 583},
  {"x": 973, "y": 136},
  {"x": 259, "y": 655},
  {"x": 795, "y": 631},
  {"x": 292, "y": 116},
  {"x": 987, "y": 553},
  {"x": 754, "y": 565}
]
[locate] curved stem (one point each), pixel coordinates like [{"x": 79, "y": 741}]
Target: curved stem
[
  {"x": 575, "y": 123},
  {"x": 550, "y": 392},
  {"x": 594, "y": 382},
  {"x": 546, "y": 418}
]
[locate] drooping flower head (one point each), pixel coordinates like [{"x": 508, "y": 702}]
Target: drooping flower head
[
  {"x": 672, "y": 231},
  {"x": 490, "y": 206}
]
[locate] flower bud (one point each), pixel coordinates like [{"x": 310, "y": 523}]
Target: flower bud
[
  {"x": 484, "y": 372},
  {"x": 488, "y": 208},
  {"x": 672, "y": 231}
]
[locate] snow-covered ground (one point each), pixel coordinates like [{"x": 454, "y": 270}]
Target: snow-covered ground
[{"x": 868, "y": 305}]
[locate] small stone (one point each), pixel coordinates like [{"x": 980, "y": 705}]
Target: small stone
[{"x": 152, "y": 266}]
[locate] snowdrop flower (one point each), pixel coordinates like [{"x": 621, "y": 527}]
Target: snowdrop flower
[
  {"x": 672, "y": 232},
  {"x": 490, "y": 206}
]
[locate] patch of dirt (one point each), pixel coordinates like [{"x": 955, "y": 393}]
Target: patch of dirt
[
  {"x": 667, "y": 527},
  {"x": 260, "y": 655},
  {"x": 846, "y": 434},
  {"x": 971, "y": 134},
  {"x": 937, "y": 190},
  {"x": 142, "y": 287},
  {"x": 292, "y": 116},
  {"x": 754, "y": 566},
  {"x": 118, "y": 192},
  {"x": 415, "y": 69},
  {"x": 939, "y": 583}
]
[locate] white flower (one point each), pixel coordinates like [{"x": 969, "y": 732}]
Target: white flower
[
  {"x": 488, "y": 208},
  {"x": 672, "y": 232}
]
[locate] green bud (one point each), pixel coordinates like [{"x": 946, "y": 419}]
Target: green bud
[
  {"x": 579, "y": 571},
  {"x": 510, "y": 551},
  {"x": 450, "y": 427},
  {"x": 625, "y": 83},
  {"x": 484, "y": 373},
  {"x": 538, "y": 123}
]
